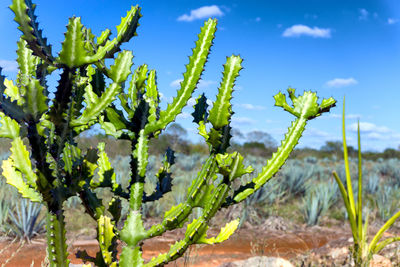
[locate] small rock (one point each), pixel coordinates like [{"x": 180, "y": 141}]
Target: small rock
[
  {"x": 259, "y": 261},
  {"x": 338, "y": 252},
  {"x": 380, "y": 261}
]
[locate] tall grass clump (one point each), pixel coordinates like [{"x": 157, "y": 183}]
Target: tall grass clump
[{"x": 362, "y": 251}]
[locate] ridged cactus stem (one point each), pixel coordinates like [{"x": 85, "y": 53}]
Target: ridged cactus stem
[
  {"x": 179, "y": 214},
  {"x": 195, "y": 230},
  {"x": 275, "y": 163},
  {"x": 56, "y": 241}
]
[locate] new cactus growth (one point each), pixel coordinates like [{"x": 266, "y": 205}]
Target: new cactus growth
[{"x": 57, "y": 169}]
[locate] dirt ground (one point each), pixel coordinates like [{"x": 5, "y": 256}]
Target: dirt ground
[{"x": 303, "y": 243}]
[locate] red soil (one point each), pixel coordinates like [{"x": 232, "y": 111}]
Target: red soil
[{"x": 244, "y": 244}]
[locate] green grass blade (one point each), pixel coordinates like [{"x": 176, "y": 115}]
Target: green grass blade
[{"x": 347, "y": 168}]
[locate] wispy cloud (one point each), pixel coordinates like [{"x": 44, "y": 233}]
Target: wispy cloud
[
  {"x": 339, "y": 116},
  {"x": 313, "y": 132},
  {"x": 242, "y": 121},
  {"x": 184, "y": 115},
  {"x": 341, "y": 82},
  {"x": 304, "y": 30},
  {"x": 367, "y": 127},
  {"x": 203, "y": 84},
  {"x": 8, "y": 65},
  {"x": 363, "y": 14},
  {"x": 391, "y": 21},
  {"x": 251, "y": 107},
  {"x": 201, "y": 13}
]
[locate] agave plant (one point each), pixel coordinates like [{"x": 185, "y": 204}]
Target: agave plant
[
  {"x": 26, "y": 221},
  {"x": 317, "y": 201},
  {"x": 4, "y": 214}
]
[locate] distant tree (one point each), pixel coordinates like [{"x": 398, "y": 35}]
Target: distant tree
[
  {"x": 332, "y": 146},
  {"x": 390, "y": 153},
  {"x": 175, "y": 129},
  {"x": 236, "y": 135},
  {"x": 175, "y": 137},
  {"x": 261, "y": 137}
]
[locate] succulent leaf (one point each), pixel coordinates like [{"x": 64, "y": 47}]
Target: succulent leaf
[
  {"x": 22, "y": 162},
  {"x": 105, "y": 170},
  {"x": 133, "y": 230},
  {"x": 106, "y": 238},
  {"x": 104, "y": 37},
  {"x": 14, "y": 178},
  {"x": 190, "y": 78},
  {"x": 95, "y": 105},
  {"x": 7, "y": 106},
  {"x": 141, "y": 153},
  {"x": 131, "y": 257},
  {"x": 200, "y": 109},
  {"x": 11, "y": 90},
  {"x": 125, "y": 31},
  {"x": 121, "y": 68},
  {"x": 25, "y": 17},
  {"x": 35, "y": 102},
  {"x": 224, "y": 234},
  {"x": 231, "y": 165},
  {"x": 305, "y": 105},
  {"x": 222, "y": 108},
  {"x": 9, "y": 128},
  {"x": 137, "y": 85},
  {"x": 73, "y": 53},
  {"x": 151, "y": 96},
  {"x": 27, "y": 62}
]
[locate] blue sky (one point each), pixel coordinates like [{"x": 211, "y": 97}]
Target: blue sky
[{"x": 335, "y": 47}]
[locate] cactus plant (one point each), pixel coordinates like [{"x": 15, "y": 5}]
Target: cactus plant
[{"x": 57, "y": 169}]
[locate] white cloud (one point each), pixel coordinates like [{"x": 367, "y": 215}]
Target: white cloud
[
  {"x": 191, "y": 102},
  {"x": 363, "y": 14},
  {"x": 203, "y": 84},
  {"x": 184, "y": 115},
  {"x": 242, "y": 120},
  {"x": 299, "y": 30},
  {"x": 392, "y": 21},
  {"x": 339, "y": 116},
  {"x": 251, "y": 107},
  {"x": 341, "y": 82},
  {"x": 8, "y": 65},
  {"x": 201, "y": 13},
  {"x": 313, "y": 132},
  {"x": 367, "y": 127},
  {"x": 176, "y": 83}
]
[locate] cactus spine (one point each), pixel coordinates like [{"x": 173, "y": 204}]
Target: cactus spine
[{"x": 57, "y": 169}]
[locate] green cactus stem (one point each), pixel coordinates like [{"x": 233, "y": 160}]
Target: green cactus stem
[{"x": 50, "y": 167}]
